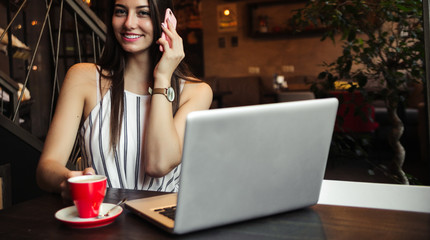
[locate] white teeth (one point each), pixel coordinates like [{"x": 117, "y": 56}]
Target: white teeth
[{"x": 132, "y": 36}]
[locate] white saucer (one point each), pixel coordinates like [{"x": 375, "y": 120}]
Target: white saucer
[{"x": 70, "y": 217}]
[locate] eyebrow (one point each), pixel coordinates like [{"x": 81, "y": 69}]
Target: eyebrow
[{"x": 122, "y": 6}]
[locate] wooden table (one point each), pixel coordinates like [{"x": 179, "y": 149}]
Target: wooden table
[{"x": 34, "y": 219}]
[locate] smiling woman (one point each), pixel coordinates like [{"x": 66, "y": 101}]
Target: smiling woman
[
  {"x": 132, "y": 26},
  {"x": 130, "y": 136}
]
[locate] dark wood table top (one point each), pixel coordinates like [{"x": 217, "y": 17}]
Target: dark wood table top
[{"x": 35, "y": 219}]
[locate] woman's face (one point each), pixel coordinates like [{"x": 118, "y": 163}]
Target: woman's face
[{"x": 132, "y": 25}]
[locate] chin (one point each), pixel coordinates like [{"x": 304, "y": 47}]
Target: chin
[{"x": 134, "y": 49}]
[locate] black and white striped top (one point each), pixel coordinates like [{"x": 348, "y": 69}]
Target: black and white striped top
[{"x": 123, "y": 166}]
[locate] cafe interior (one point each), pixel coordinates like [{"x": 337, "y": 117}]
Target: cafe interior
[{"x": 244, "y": 49}]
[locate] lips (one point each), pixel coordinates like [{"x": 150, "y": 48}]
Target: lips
[{"x": 131, "y": 36}]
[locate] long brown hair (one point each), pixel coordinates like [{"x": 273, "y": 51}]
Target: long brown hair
[{"x": 112, "y": 65}]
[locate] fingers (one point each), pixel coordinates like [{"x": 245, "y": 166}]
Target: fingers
[
  {"x": 64, "y": 185},
  {"x": 173, "y": 36},
  {"x": 65, "y": 193},
  {"x": 164, "y": 44},
  {"x": 88, "y": 171},
  {"x": 169, "y": 28},
  {"x": 173, "y": 53}
]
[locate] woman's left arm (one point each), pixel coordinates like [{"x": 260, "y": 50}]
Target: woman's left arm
[{"x": 165, "y": 133}]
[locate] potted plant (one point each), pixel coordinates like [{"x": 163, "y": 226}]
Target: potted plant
[{"x": 383, "y": 44}]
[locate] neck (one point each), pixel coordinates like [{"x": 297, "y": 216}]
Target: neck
[{"x": 137, "y": 73}]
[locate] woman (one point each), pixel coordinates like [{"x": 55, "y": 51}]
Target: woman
[{"x": 132, "y": 137}]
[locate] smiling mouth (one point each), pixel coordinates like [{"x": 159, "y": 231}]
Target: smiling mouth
[{"x": 131, "y": 36}]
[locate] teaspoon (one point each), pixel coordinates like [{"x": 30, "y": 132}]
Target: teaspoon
[{"x": 110, "y": 210}]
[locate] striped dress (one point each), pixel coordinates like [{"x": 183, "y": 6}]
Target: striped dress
[{"x": 123, "y": 166}]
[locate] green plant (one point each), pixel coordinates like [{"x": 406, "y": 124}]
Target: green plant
[{"x": 383, "y": 45}]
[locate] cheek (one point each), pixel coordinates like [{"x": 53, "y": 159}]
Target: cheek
[
  {"x": 147, "y": 25},
  {"x": 116, "y": 27},
  {"x": 116, "y": 22}
]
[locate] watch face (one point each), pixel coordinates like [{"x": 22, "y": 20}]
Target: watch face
[{"x": 170, "y": 94}]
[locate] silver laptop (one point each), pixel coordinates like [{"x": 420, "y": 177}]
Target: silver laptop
[{"x": 246, "y": 162}]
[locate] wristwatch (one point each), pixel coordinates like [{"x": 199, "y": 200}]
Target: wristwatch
[{"x": 168, "y": 92}]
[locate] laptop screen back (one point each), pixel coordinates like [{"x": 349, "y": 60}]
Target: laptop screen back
[{"x": 254, "y": 161}]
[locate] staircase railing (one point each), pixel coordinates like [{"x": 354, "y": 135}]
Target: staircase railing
[
  {"x": 85, "y": 20},
  {"x": 79, "y": 10}
]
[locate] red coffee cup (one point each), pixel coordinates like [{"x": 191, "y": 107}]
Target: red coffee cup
[{"x": 87, "y": 193}]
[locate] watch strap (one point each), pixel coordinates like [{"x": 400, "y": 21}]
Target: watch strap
[
  {"x": 159, "y": 91},
  {"x": 169, "y": 93}
]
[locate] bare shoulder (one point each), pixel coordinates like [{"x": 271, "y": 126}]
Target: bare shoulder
[
  {"x": 198, "y": 85},
  {"x": 197, "y": 90},
  {"x": 195, "y": 96},
  {"x": 84, "y": 75},
  {"x": 81, "y": 72},
  {"x": 80, "y": 85},
  {"x": 80, "y": 81}
]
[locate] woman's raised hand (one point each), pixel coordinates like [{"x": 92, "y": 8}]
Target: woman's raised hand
[{"x": 171, "y": 58}]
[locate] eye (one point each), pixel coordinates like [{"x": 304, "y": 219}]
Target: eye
[
  {"x": 143, "y": 13},
  {"x": 119, "y": 12}
]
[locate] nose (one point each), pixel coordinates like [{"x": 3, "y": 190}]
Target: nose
[{"x": 130, "y": 22}]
